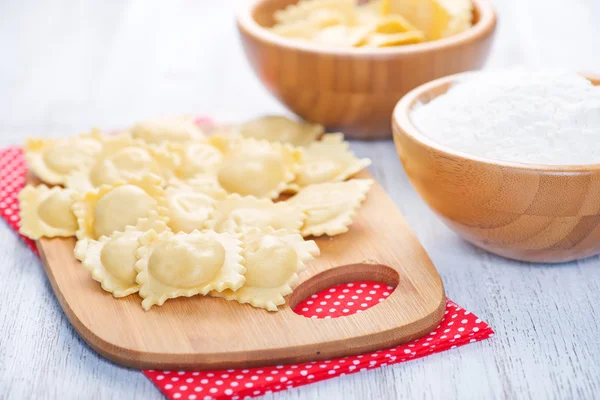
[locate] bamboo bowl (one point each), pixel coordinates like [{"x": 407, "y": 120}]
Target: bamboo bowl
[
  {"x": 354, "y": 90},
  {"x": 525, "y": 212}
]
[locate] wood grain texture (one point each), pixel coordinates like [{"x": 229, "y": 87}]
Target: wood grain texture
[
  {"x": 69, "y": 66},
  {"x": 525, "y": 212},
  {"x": 203, "y": 332},
  {"x": 354, "y": 91}
]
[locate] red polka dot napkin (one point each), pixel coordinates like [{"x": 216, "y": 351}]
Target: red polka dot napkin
[
  {"x": 13, "y": 172},
  {"x": 459, "y": 327}
]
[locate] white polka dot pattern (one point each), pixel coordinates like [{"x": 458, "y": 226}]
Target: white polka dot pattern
[
  {"x": 13, "y": 172},
  {"x": 459, "y": 327}
]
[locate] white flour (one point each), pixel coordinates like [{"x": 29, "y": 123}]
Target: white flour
[{"x": 541, "y": 117}]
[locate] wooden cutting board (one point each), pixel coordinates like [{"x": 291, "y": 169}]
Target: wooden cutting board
[{"x": 209, "y": 333}]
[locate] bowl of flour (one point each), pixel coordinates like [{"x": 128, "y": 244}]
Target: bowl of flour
[{"x": 510, "y": 160}]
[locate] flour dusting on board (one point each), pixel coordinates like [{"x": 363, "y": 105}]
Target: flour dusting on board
[{"x": 541, "y": 117}]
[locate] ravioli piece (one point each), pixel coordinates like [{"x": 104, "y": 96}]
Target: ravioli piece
[
  {"x": 236, "y": 214},
  {"x": 123, "y": 158},
  {"x": 47, "y": 212},
  {"x": 52, "y": 160},
  {"x": 317, "y": 11},
  {"x": 281, "y": 129},
  {"x": 188, "y": 209},
  {"x": 330, "y": 206},
  {"x": 171, "y": 129},
  {"x": 197, "y": 159},
  {"x": 111, "y": 208},
  {"x": 111, "y": 259},
  {"x": 393, "y": 23},
  {"x": 436, "y": 18},
  {"x": 205, "y": 183},
  {"x": 185, "y": 264},
  {"x": 273, "y": 260},
  {"x": 329, "y": 160},
  {"x": 258, "y": 168},
  {"x": 372, "y": 30}
]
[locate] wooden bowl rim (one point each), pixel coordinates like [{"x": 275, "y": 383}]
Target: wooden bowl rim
[
  {"x": 483, "y": 28},
  {"x": 401, "y": 117}
]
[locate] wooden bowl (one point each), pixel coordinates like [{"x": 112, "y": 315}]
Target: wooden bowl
[
  {"x": 354, "y": 90},
  {"x": 527, "y": 212}
]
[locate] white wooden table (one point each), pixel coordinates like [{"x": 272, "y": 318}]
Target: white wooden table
[{"x": 66, "y": 66}]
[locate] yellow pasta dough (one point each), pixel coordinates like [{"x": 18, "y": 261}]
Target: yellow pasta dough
[
  {"x": 111, "y": 208},
  {"x": 238, "y": 213},
  {"x": 47, "y": 212},
  {"x": 273, "y": 260},
  {"x": 189, "y": 209},
  {"x": 436, "y": 18},
  {"x": 348, "y": 23},
  {"x": 258, "y": 168},
  {"x": 52, "y": 160},
  {"x": 172, "y": 129},
  {"x": 393, "y": 23},
  {"x": 111, "y": 259},
  {"x": 281, "y": 129},
  {"x": 185, "y": 264},
  {"x": 330, "y": 206},
  {"x": 197, "y": 159},
  {"x": 329, "y": 160},
  {"x": 123, "y": 158},
  {"x": 322, "y": 12}
]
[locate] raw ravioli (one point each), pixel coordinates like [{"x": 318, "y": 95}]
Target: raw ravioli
[
  {"x": 46, "y": 212},
  {"x": 111, "y": 259},
  {"x": 206, "y": 183},
  {"x": 258, "y": 168},
  {"x": 111, "y": 208},
  {"x": 330, "y": 206},
  {"x": 185, "y": 264},
  {"x": 273, "y": 260},
  {"x": 329, "y": 160},
  {"x": 238, "y": 213},
  {"x": 52, "y": 160},
  {"x": 188, "y": 209},
  {"x": 281, "y": 129},
  {"x": 123, "y": 158},
  {"x": 171, "y": 129},
  {"x": 197, "y": 159}
]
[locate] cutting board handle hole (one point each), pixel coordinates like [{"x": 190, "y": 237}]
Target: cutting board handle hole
[{"x": 350, "y": 273}]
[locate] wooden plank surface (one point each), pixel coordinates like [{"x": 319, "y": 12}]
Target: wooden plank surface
[
  {"x": 378, "y": 247},
  {"x": 67, "y": 66}
]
